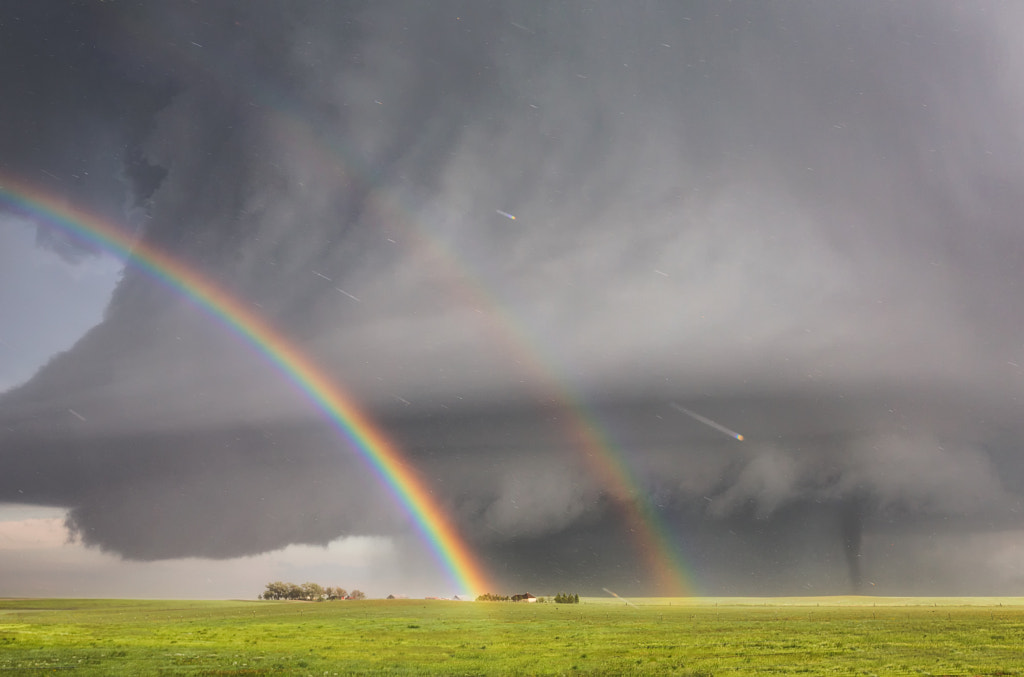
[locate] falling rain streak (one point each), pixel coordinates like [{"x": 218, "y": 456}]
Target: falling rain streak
[
  {"x": 618, "y": 597},
  {"x": 707, "y": 421}
]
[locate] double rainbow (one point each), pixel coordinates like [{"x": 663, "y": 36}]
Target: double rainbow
[
  {"x": 583, "y": 433},
  {"x": 365, "y": 437}
]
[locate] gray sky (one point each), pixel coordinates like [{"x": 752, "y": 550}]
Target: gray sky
[{"x": 797, "y": 219}]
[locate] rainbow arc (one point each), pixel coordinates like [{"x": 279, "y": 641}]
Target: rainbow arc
[{"x": 354, "y": 425}]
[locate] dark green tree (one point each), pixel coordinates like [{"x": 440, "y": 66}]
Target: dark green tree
[{"x": 492, "y": 597}]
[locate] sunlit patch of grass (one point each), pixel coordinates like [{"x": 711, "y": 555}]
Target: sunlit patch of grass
[{"x": 727, "y": 636}]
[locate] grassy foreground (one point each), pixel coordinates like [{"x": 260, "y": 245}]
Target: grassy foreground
[{"x": 838, "y": 636}]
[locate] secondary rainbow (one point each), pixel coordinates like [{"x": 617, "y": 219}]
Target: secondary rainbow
[
  {"x": 581, "y": 430},
  {"x": 365, "y": 437}
]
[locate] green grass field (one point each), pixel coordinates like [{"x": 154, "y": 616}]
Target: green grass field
[{"x": 729, "y": 636}]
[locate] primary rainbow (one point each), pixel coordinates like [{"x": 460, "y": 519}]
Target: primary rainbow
[{"x": 366, "y": 438}]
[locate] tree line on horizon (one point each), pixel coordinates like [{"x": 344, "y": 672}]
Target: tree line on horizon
[
  {"x": 560, "y": 598},
  {"x": 310, "y": 592}
]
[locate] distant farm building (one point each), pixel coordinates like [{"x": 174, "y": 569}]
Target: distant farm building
[{"x": 525, "y": 597}]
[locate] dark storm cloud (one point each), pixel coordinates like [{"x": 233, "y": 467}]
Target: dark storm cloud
[
  {"x": 211, "y": 494},
  {"x": 798, "y": 220},
  {"x": 73, "y": 112}
]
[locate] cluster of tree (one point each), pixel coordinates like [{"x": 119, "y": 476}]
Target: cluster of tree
[
  {"x": 563, "y": 598},
  {"x": 312, "y": 592},
  {"x": 491, "y": 597}
]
